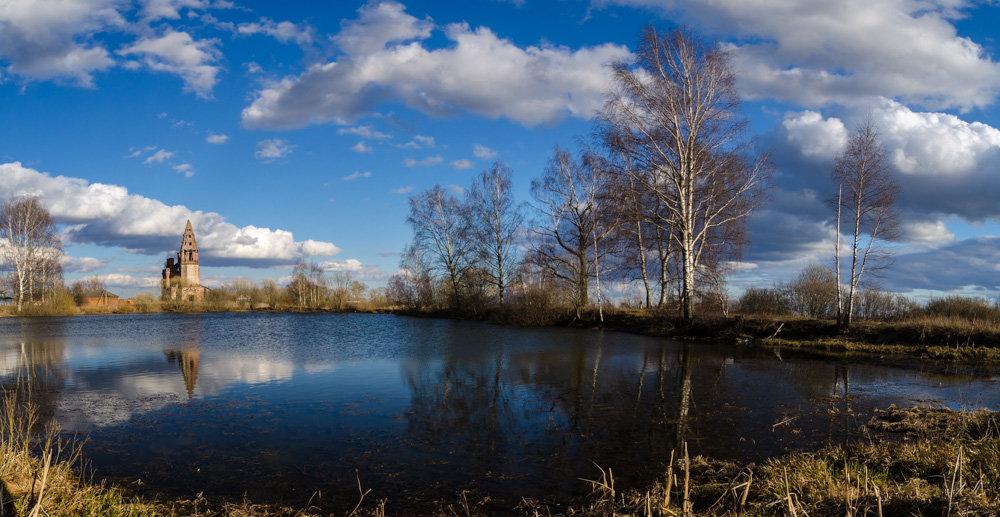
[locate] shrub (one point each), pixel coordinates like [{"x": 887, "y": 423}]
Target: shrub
[
  {"x": 764, "y": 301},
  {"x": 968, "y": 308},
  {"x": 814, "y": 292},
  {"x": 873, "y": 304}
]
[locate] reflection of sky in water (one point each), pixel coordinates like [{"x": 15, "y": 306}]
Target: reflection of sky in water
[{"x": 287, "y": 404}]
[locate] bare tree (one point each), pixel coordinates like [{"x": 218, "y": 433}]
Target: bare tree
[
  {"x": 676, "y": 111},
  {"x": 567, "y": 200},
  {"x": 308, "y": 285},
  {"x": 30, "y": 245},
  {"x": 867, "y": 196},
  {"x": 441, "y": 232},
  {"x": 494, "y": 221}
]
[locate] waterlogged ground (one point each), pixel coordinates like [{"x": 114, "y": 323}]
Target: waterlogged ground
[{"x": 281, "y": 407}]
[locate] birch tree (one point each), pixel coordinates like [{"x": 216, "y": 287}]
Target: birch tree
[
  {"x": 29, "y": 245},
  {"x": 572, "y": 225},
  {"x": 494, "y": 222},
  {"x": 676, "y": 111},
  {"x": 866, "y": 197},
  {"x": 441, "y": 232}
]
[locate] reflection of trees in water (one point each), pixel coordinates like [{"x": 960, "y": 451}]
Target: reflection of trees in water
[
  {"x": 549, "y": 414},
  {"x": 465, "y": 405},
  {"x": 34, "y": 372}
]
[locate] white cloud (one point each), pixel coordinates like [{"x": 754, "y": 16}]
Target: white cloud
[
  {"x": 270, "y": 150},
  {"x": 819, "y": 52},
  {"x": 125, "y": 280},
  {"x": 426, "y": 162},
  {"x": 364, "y": 132},
  {"x": 457, "y": 189},
  {"x": 361, "y": 147},
  {"x": 379, "y": 24},
  {"x": 946, "y": 166},
  {"x": 51, "y": 40},
  {"x": 281, "y": 31},
  {"x": 185, "y": 168},
  {"x": 170, "y": 9},
  {"x": 403, "y": 190},
  {"x": 482, "y": 152},
  {"x": 461, "y": 164},
  {"x": 816, "y": 137},
  {"x": 178, "y": 53},
  {"x": 357, "y": 174},
  {"x": 107, "y": 215},
  {"x": 82, "y": 264},
  {"x": 217, "y": 139},
  {"x": 419, "y": 142},
  {"x": 355, "y": 268},
  {"x": 926, "y": 232},
  {"x": 384, "y": 60},
  {"x": 159, "y": 156}
]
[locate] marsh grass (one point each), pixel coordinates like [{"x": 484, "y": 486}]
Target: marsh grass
[{"x": 928, "y": 462}]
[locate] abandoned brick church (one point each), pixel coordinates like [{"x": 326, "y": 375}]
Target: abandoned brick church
[{"x": 182, "y": 278}]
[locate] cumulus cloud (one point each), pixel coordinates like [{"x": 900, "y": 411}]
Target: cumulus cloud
[
  {"x": 82, "y": 264},
  {"x": 53, "y": 40},
  {"x": 125, "y": 280},
  {"x": 403, "y": 190},
  {"x": 217, "y": 139},
  {"x": 946, "y": 166},
  {"x": 948, "y": 170},
  {"x": 461, "y": 164},
  {"x": 356, "y": 269},
  {"x": 170, "y": 9},
  {"x": 270, "y": 150},
  {"x": 820, "y": 52},
  {"x": 818, "y": 138},
  {"x": 178, "y": 53},
  {"x": 368, "y": 132},
  {"x": 108, "y": 215},
  {"x": 482, "y": 152},
  {"x": 357, "y": 174},
  {"x": 426, "y": 162},
  {"x": 281, "y": 31},
  {"x": 361, "y": 147},
  {"x": 383, "y": 59}
]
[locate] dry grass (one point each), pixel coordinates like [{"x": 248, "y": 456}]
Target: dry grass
[{"x": 936, "y": 462}]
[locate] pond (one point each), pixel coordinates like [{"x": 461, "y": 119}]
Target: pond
[{"x": 280, "y": 407}]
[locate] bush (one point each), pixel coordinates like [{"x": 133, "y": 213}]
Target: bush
[
  {"x": 764, "y": 301},
  {"x": 872, "y": 304},
  {"x": 968, "y": 308},
  {"x": 814, "y": 292}
]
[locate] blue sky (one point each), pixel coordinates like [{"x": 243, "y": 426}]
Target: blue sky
[{"x": 297, "y": 129}]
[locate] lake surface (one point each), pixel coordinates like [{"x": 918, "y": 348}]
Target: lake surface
[{"x": 282, "y": 406}]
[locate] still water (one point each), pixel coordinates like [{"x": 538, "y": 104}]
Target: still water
[{"x": 282, "y": 406}]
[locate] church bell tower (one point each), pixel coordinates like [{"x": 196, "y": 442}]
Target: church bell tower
[{"x": 188, "y": 258}]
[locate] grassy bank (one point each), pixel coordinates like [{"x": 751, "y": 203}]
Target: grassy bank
[{"x": 938, "y": 338}]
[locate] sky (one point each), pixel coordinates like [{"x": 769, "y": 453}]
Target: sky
[{"x": 297, "y": 130}]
